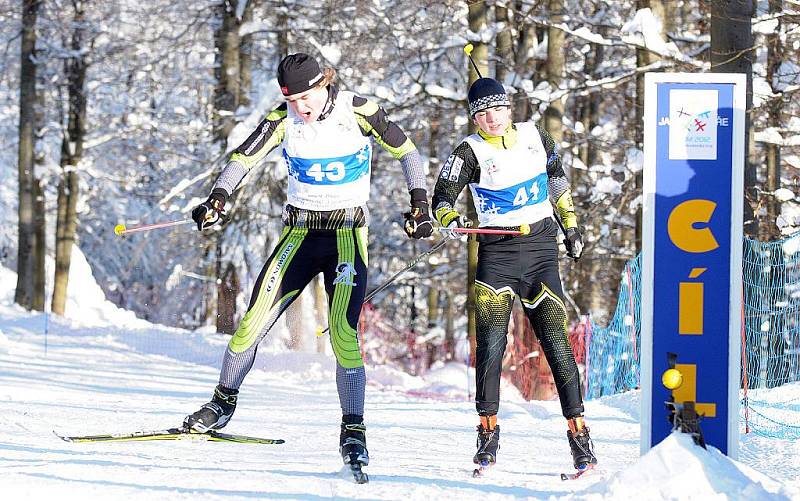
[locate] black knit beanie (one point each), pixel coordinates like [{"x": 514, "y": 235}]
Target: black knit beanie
[
  {"x": 486, "y": 93},
  {"x": 297, "y": 73}
]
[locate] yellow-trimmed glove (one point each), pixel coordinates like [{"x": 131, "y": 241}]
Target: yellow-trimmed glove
[{"x": 448, "y": 217}]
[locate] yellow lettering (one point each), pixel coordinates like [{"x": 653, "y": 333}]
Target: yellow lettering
[
  {"x": 681, "y": 226},
  {"x": 687, "y": 392},
  {"x": 690, "y": 305}
]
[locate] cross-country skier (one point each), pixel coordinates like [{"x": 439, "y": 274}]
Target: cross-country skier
[
  {"x": 515, "y": 175},
  {"x": 325, "y": 134}
]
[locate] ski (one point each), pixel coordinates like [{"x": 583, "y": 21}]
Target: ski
[
  {"x": 354, "y": 470},
  {"x": 577, "y": 474},
  {"x": 171, "y": 434}
]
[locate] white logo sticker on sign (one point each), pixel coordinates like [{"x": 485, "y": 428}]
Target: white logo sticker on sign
[{"x": 693, "y": 124}]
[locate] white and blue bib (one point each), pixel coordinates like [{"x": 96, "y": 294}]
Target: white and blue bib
[
  {"x": 513, "y": 182},
  {"x": 328, "y": 160}
]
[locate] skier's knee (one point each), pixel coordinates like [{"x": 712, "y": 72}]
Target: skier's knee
[{"x": 344, "y": 341}]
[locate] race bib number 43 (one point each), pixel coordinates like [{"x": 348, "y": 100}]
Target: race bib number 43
[{"x": 329, "y": 171}]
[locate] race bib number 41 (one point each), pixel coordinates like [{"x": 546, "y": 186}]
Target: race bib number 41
[{"x": 514, "y": 197}]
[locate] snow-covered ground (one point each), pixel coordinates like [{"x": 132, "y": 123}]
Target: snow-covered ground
[{"x": 104, "y": 371}]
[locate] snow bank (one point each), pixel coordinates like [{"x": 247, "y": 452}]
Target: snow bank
[
  {"x": 678, "y": 469},
  {"x": 87, "y": 302}
]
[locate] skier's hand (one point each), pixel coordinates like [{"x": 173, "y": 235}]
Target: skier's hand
[
  {"x": 418, "y": 222},
  {"x": 574, "y": 243},
  {"x": 450, "y": 218},
  {"x": 209, "y": 213}
]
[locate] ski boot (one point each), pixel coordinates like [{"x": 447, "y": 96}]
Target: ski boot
[
  {"x": 353, "y": 441},
  {"x": 215, "y": 414},
  {"x": 580, "y": 444},
  {"x": 353, "y": 447},
  {"x": 488, "y": 443}
]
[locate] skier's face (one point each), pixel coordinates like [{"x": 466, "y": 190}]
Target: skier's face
[
  {"x": 493, "y": 121},
  {"x": 308, "y": 105}
]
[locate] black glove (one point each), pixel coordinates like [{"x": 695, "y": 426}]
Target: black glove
[
  {"x": 418, "y": 222},
  {"x": 574, "y": 243},
  {"x": 210, "y": 212}
]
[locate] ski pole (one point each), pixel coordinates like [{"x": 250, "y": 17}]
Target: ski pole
[
  {"x": 388, "y": 282},
  {"x": 408, "y": 266},
  {"x": 121, "y": 229},
  {"x": 523, "y": 230}
]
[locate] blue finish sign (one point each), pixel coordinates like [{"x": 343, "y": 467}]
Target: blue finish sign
[{"x": 691, "y": 308}]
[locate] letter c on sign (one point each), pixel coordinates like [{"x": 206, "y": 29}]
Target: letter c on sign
[{"x": 681, "y": 226}]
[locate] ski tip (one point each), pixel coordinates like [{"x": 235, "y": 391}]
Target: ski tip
[
  {"x": 119, "y": 229},
  {"x": 578, "y": 473},
  {"x": 65, "y": 439},
  {"x": 354, "y": 472}
]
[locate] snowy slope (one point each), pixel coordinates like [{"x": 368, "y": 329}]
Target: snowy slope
[{"x": 124, "y": 375}]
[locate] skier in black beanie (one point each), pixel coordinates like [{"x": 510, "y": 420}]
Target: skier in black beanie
[
  {"x": 516, "y": 178},
  {"x": 326, "y": 137}
]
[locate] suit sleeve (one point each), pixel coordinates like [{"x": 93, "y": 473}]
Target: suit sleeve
[
  {"x": 374, "y": 121},
  {"x": 265, "y": 138}
]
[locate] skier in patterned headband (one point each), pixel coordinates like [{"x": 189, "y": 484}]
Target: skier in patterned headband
[{"x": 516, "y": 178}]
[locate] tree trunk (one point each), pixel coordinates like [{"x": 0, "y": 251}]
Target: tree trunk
[
  {"x": 480, "y": 54},
  {"x": 732, "y": 52},
  {"x": 433, "y": 322},
  {"x": 554, "y": 72},
  {"x": 27, "y": 102},
  {"x": 66, "y": 225},
  {"x": 227, "y": 96},
  {"x": 768, "y": 229},
  {"x": 523, "y": 64},
  {"x": 246, "y": 57},
  {"x": 39, "y": 246},
  {"x": 296, "y": 323},
  {"x": 227, "y": 68},
  {"x": 449, "y": 326},
  {"x": 227, "y": 292},
  {"x": 504, "y": 46},
  {"x": 71, "y": 154},
  {"x": 644, "y": 58},
  {"x": 585, "y": 271}
]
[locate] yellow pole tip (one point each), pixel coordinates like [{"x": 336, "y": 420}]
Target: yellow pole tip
[
  {"x": 525, "y": 229},
  {"x": 672, "y": 379},
  {"x": 468, "y": 49},
  {"x": 119, "y": 229}
]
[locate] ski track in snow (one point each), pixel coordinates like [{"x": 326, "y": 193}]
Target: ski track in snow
[{"x": 92, "y": 382}]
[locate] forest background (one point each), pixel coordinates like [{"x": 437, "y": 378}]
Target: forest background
[{"x": 123, "y": 111}]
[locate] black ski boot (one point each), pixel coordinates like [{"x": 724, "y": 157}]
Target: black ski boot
[
  {"x": 353, "y": 440},
  {"x": 488, "y": 444},
  {"x": 215, "y": 414},
  {"x": 580, "y": 444}
]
